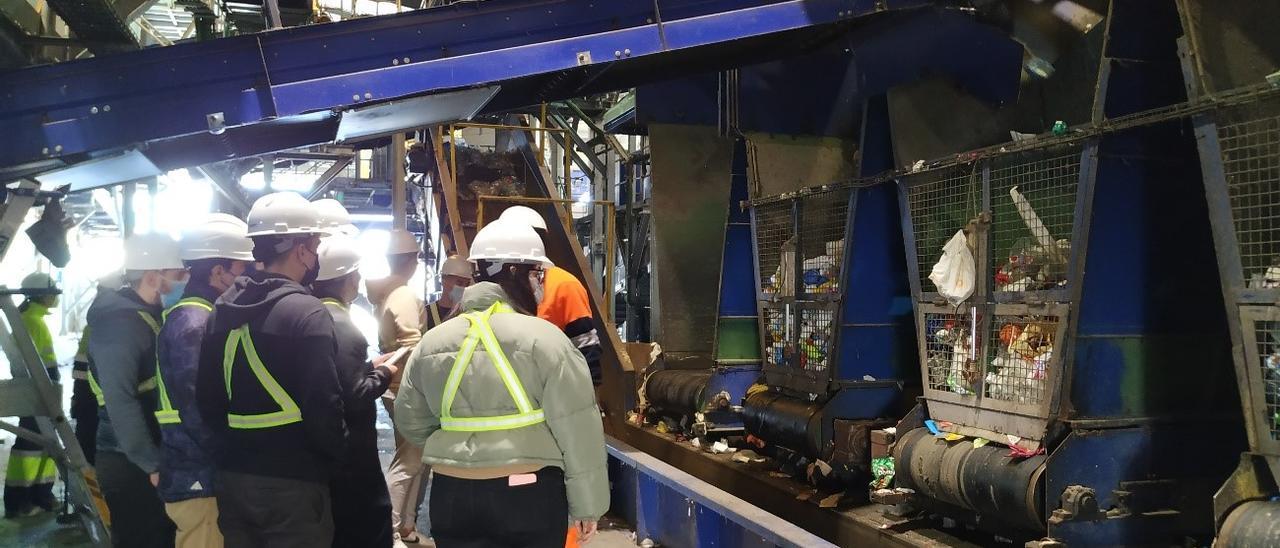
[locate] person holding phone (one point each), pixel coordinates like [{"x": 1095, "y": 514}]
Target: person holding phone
[{"x": 361, "y": 504}]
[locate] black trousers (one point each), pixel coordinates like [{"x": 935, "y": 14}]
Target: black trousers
[
  {"x": 138, "y": 519},
  {"x": 361, "y": 507},
  {"x": 491, "y": 513},
  {"x": 86, "y": 417},
  {"x": 261, "y": 511}
]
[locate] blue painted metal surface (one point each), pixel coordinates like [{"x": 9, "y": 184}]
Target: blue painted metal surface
[
  {"x": 737, "y": 278},
  {"x": 673, "y": 508},
  {"x": 111, "y": 102},
  {"x": 840, "y": 75}
]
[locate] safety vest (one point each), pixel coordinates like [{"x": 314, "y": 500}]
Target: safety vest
[
  {"x": 289, "y": 412},
  {"x": 481, "y": 333},
  {"x": 148, "y": 384},
  {"x": 167, "y": 414}
]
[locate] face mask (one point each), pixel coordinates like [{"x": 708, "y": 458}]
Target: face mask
[
  {"x": 455, "y": 294},
  {"x": 309, "y": 277},
  {"x": 535, "y": 283},
  {"x": 174, "y": 294}
]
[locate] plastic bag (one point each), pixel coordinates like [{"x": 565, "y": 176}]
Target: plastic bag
[
  {"x": 955, "y": 272},
  {"x": 882, "y": 472}
]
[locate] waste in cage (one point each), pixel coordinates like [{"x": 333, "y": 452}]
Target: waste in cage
[
  {"x": 778, "y": 336},
  {"x": 1033, "y": 213},
  {"x": 942, "y": 202},
  {"x": 1268, "y": 340},
  {"x": 815, "y": 338},
  {"x": 951, "y": 352},
  {"x": 1249, "y": 137},
  {"x": 1022, "y": 351},
  {"x": 822, "y": 228}
]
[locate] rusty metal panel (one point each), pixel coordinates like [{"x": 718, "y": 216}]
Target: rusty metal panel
[
  {"x": 691, "y": 168},
  {"x": 779, "y": 164}
]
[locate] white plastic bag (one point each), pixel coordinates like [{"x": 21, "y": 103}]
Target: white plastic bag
[{"x": 955, "y": 273}]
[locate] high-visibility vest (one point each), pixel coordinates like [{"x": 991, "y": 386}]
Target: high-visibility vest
[
  {"x": 167, "y": 414},
  {"x": 481, "y": 333},
  {"x": 289, "y": 412},
  {"x": 145, "y": 385}
]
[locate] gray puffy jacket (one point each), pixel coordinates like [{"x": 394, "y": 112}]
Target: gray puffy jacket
[{"x": 555, "y": 377}]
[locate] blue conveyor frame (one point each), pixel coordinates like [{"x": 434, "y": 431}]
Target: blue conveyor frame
[{"x": 295, "y": 84}]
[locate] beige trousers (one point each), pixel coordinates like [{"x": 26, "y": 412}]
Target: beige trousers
[
  {"x": 197, "y": 521},
  {"x": 405, "y": 475}
]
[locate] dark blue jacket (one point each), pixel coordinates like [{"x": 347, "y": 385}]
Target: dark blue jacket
[
  {"x": 294, "y": 338},
  {"x": 186, "y": 451}
]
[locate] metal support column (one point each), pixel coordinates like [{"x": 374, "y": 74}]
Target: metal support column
[{"x": 395, "y": 155}]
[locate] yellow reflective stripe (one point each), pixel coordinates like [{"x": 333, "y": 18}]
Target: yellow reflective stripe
[
  {"x": 27, "y": 468},
  {"x": 509, "y": 377},
  {"x": 289, "y": 412},
  {"x": 151, "y": 322},
  {"x": 167, "y": 414},
  {"x": 189, "y": 301},
  {"x": 455, "y": 374},
  {"x": 97, "y": 390},
  {"x": 333, "y": 302},
  {"x": 482, "y": 424},
  {"x": 480, "y": 332}
]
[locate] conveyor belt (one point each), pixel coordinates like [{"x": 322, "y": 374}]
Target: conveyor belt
[{"x": 535, "y": 50}]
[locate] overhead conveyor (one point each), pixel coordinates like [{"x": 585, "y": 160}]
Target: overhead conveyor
[{"x": 189, "y": 104}]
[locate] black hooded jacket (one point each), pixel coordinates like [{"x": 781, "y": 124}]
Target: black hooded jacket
[{"x": 294, "y": 338}]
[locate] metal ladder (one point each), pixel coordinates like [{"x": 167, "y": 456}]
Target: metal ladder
[{"x": 31, "y": 393}]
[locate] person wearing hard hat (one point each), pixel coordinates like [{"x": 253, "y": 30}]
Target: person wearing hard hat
[
  {"x": 401, "y": 320},
  {"x": 565, "y": 302},
  {"x": 268, "y": 389},
  {"x": 28, "y": 481},
  {"x": 455, "y": 276},
  {"x": 502, "y": 404},
  {"x": 335, "y": 218},
  {"x": 122, "y": 366},
  {"x": 361, "y": 505},
  {"x": 215, "y": 252}
]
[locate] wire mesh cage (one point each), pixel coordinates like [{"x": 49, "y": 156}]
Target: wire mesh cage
[
  {"x": 823, "y": 218},
  {"x": 776, "y": 248},
  {"x": 1267, "y": 337},
  {"x": 1033, "y": 215},
  {"x": 1249, "y": 138},
  {"x": 816, "y": 338},
  {"x": 779, "y": 350},
  {"x": 941, "y": 202},
  {"x": 1020, "y": 355},
  {"x": 951, "y": 350}
]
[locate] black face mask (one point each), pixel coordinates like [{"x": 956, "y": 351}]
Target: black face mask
[{"x": 309, "y": 277}]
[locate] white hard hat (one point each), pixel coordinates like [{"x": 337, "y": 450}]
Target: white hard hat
[
  {"x": 38, "y": 280},
  {"x": 402, "y": 242},
  {"x": 334, "y": 217},
  {"x": 339, "y": 256},
  {"x": 153, "y": 251},
  {"x": 508, "y": 242},
  {"x": 456, "y": 266},
  {"x": 218, "y": 236},
  {"x": 282, "y": 214},
  {"x": 524, "y": 215}
]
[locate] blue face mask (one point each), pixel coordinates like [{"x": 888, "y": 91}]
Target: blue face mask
[{"x": 174, "y": 295}]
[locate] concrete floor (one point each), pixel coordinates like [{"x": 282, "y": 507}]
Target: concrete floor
[{"x": 43, "y": 530}]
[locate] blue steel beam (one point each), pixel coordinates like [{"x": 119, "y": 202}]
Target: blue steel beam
[{"x": 117, "y": 101}]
